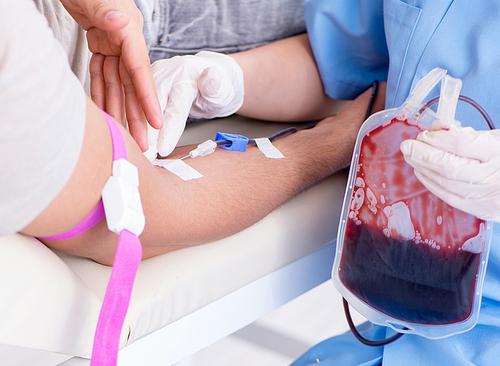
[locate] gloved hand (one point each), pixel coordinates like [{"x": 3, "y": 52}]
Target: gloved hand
[
  {"x": 461, "y": 166},
  {"x": 206, "y": 85}
]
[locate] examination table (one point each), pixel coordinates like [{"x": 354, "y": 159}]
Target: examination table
[{"x": 183, "y": 300}]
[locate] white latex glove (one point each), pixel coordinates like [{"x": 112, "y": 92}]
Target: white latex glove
[
  {"x": 205, "y": 85},
  {"x": 461, "y": 166}
]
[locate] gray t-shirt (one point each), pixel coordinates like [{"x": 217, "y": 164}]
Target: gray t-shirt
[
  {"x": 180, "y": 27},
  {"x": 42, "y": 115}
]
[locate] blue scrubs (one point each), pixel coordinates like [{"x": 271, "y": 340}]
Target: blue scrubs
[{"x": 358, "y": 41}]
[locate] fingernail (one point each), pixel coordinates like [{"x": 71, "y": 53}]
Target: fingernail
[{"x": 115, "y": 14}]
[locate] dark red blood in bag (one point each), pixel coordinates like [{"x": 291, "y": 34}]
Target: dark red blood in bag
[{"x": 407, "y": 253}]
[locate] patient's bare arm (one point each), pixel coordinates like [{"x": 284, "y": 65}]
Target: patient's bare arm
[
  {"x": 282, "y": 82},
  {"x": 236, "y": 191}
]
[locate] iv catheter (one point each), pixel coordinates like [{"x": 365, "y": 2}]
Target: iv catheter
[{"x": 209, "y": 146}]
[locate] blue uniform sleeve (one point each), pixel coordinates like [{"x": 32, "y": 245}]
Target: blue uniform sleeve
[{"x": 348, "y": 41}]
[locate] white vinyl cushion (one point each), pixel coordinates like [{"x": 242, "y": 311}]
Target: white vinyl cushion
[{"x": 43, "y": 304}]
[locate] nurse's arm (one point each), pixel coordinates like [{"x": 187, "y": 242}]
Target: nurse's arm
[{"x": 237, "y": 190}]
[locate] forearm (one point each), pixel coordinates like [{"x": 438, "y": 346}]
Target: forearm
[
  {"x": 282, "y": 82},
  {"x": 237, "y": 190}
]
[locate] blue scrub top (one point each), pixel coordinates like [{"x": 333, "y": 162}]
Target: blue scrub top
[{"x": 358, "y": 41}]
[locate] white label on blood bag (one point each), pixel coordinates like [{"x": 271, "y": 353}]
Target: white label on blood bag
[
  {"x": 399, "y": 221},
  {"x": 372, "y": 201},
  {"x": 179, "y": 168},
  {"x": 360, "y": 182},
  {"x": 268, "y": 149},
  {"x": 475, "y": 244},
  {"x": 358, "y": 199}
]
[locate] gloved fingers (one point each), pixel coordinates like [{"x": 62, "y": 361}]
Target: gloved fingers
[
  {"x": 464, "y": 176},
  {"x": 170, "y": 72},
  {"x": 218, "y": 78},
  {"x": 165, "y": 68},
  {"x": 449, "y": 165},
  {"x": 216, "y": 93},
  {"x": 176, "y": 87},
  {"x": 221, "y": 86},
  {"x": 466, "y": 184},
  {"x": 152, "y": 136},
  {"x": 167, "y": 72},
  {"x": 169, "y": 136},
  {"x": 213, "y": 84},
  {"x": 163, "y": 86},
  {"x": 464, "y": 141},
  {"x": 486, "y": 208},
  {"x": 152, "y": 150},
  {"x": 466, "y": 190},
  {"x": 176, "y": 112}
]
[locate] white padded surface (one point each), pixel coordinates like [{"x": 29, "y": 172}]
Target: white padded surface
[
  {"x": 169, "y": 286},
  {"x": 175, "y": 284},
  {"x": 44, "y": 304}
]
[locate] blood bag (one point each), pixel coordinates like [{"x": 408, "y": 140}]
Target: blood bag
[{"x": 406, "y": 259}]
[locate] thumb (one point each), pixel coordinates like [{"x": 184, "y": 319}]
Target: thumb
[
  {"x": 215, "y": 86},
  {"x": 104, "y": 15},
  {"x": 216, "y": 93}
]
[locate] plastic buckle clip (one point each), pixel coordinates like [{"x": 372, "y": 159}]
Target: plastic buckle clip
[
  {"x": 238, "y": 142},
  {"x": 121, "y": 199}
]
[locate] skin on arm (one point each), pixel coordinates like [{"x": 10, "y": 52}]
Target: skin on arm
[
  {"x": 286, "y": 70},
  {"x": 179, "y": 213}
]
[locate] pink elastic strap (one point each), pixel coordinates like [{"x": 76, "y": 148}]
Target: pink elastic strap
[
  {"x": 119, "y": 146},
  {"x": 115, "y": 305},
  {"x": 127, "y": 259},
  {"x": 97, "y": 214},
  {"x": 88, "y": 223},
  {"x": 117, "y": 298}
]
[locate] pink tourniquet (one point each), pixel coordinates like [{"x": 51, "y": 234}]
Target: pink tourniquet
[{"x": 127, "y": 259}]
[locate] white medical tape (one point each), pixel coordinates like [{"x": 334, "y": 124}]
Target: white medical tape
[
  {"x": 268, "y": 149},
  {"x": 179, "y": 168}
]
